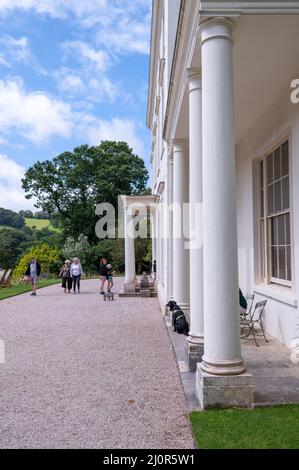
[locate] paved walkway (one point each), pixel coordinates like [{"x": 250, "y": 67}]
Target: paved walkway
[
  {"x": 84, "y": 373},
  {"x": 276, "y": 378}
]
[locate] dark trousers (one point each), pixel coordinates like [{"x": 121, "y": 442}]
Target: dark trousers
[
  {"x": 76, "y": 282},
  {"x": 67, "y": 283}
]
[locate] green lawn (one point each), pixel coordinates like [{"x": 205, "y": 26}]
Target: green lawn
[
  {"x": 40, "y": 224},
  {"x": 274, "y": 427},
  {"x": 5, "y": 293}
]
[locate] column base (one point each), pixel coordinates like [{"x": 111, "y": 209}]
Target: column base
[
  {"x": 214, "y": 391},
  {"x": 129, "y": 287},
  {"x": 193, "y": 353}
]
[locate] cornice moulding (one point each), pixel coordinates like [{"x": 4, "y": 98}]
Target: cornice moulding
[{"x": 211, "y": 8}]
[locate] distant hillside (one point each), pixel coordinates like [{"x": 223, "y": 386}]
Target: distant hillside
[{"x": 39, "y": 224}]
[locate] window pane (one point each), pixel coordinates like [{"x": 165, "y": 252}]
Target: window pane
[
  {"x": 262, "y": 251},
  {"x": 285, "y": 193},
  {"x": 274, "y": 262},
  {"x": 262, "y": 203},
  {"x": 282, "y": 263},
  {"x": 277, "y": 170},
  {"x": 277, "y": 197},
  {"x": 262, "y": 174},
  {"x": 281, "y": 230},
  {"x": 289, "y": 269},
  {"x": 288, "y": 229},
  {"x": 270, "y": 200},
  {"x": 270, "y": 168},
  {"x": 274, "y": 239},
  {"x": 285, "y": 159}
]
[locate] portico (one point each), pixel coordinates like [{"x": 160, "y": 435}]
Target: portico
[
  {"x": 135, "y": 212},
  {"x": 215, "y": 111}
]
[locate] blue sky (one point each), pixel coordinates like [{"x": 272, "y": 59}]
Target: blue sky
[{"x": 71, "y": 72}]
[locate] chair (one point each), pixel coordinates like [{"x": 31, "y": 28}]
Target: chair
[
  {"x": 245, "y": 314},
  {"x": 254, "y": 319},
  {"x": 2, "y": 276},
  {"x": 6, "y": 280},
  {"x": 24, "y": 280}
]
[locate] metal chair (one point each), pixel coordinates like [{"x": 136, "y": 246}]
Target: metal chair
[
  {"x": 244, "y": 315},
  {"x": 254, "y": 319}
]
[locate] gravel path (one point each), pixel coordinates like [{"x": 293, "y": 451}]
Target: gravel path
[{"x": 84, "y": 373}]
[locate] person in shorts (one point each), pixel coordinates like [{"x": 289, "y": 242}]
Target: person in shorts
[
  {"x": 33, "y": 272},
  {"x": 109, "y": 277},
  {"x": 103, "y": 274}
]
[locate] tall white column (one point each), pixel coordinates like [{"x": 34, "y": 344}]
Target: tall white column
[
  {"x": 194, "y": 346},
  {"x": 181, "y": 265},
  {"x": 222, "y": 351},
  {"x": 130, "y": 275},
  {"x": 221, "y": 305},
  {"x": 153, "y": 234},
  {"x": 170, "y": 231}
]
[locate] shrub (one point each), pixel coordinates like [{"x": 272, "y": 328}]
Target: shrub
[{"x": 49, "y": 259}]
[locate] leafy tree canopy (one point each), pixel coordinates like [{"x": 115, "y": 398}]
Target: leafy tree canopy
[{"x": 71, "y": 185}]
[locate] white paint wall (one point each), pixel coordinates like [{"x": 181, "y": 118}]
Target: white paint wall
[{"x": 282, "y": 316}]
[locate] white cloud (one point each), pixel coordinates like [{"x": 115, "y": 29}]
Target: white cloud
[
  {"x": 98, "y": 59},
  {"x": 55, "y": 8},
  {"x": 17, "y": 50},
  {"x": 34, "y": 114},
  {"x": 116, "y": 129},
  {"x": 128, "y": 35},
  {"x": 69, "y": 81},
  {"x": 14, "y": 50},
  {"x": 103, "y": 88},
  {"x": 11, "y": 193},
  {"x": 124, "y": 24},
  {"x": 4, "y": 62}
]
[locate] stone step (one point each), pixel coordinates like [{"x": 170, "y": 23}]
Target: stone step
[{"x": 136, "y": 294}]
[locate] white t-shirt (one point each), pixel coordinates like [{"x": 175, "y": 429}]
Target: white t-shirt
[{"x": 76, "y": 270}]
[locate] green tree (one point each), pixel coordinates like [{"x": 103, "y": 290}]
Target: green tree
[
  {"x": 71, "y": 185},
  {"x": 77, "y": 248},
  {"x": 10, "y": 218},
  {"x": 13, "y": 242}
]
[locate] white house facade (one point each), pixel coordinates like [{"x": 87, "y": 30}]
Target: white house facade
[{"x": 224, "y": 117}]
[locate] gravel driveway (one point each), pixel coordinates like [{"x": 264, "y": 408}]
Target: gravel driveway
[{"x": 84, "y": 373}]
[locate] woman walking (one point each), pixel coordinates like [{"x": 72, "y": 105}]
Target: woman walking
[
  {"x": 65, "y": 274},
  {"x": 76, "y": 273},
  {"x": 103, "y": 274}
]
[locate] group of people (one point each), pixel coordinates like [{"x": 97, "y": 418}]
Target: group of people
[{"x": 70, "y": 274}]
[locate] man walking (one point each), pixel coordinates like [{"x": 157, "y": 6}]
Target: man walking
[{"x": 33, "y": 272}]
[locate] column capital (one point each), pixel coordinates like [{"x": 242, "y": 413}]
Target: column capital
[
  {"x": 179, "y": 145},
  {"x": 194, "y": 79},
  {"x": 216, "y": 27}
]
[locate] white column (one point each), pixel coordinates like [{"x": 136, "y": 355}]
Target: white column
[
  {"x": 153, "y": 234},
  {"x": 181, "y": 265},
  {"x": 195, "y": 341},
  {"x": 170, "y": 231},
  {"x": 222, "y": 355},
  {"x": 130, "y": 275}
]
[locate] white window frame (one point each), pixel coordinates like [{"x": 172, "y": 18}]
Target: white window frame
[{"x": 265, "y": 257}]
